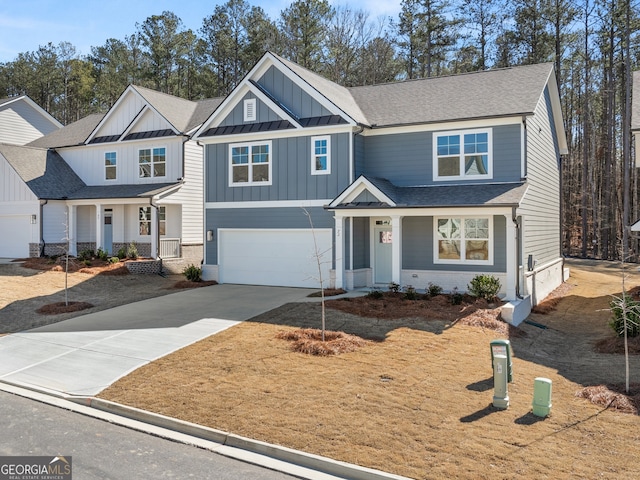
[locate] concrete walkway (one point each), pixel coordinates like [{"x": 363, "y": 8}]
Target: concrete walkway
[{"x": 86, "y": 354}]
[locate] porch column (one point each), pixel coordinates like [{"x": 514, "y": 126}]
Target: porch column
[
  {"x": 339, "y": 240},
  {"x": 99, "y": 226},
  {"x": 396, "y": 249},
  {"x": 512, "y": 261},
  {"x": 71, "y": 227},
  {"x": 154, "y": 233}
]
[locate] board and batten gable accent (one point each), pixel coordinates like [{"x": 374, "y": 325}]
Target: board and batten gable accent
[
  {"x": 261, "y": 218},
  {"x": 291, "y": 172},
  {"x": 406, "y": 159},
  {"x": 417, "y": 247},
  {"x": 126, "y": 109},
  {"x": 288, "y": 93},
  {"x": 263, "y": 113},
  {"x": 149, "y": 121},
  {"x": 21, "y": 124},
  {"x": 540, "y": 207}
]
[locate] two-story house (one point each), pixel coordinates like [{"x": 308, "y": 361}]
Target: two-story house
[
  {"x": 21, "y": 121},
  {"x": 417, "y": 182},
  {"x": 131, "y": 175}
]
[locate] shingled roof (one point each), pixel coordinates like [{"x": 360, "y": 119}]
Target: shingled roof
[
  {"x": 44, "y": 171},
  {"x": 73, "y": 134}
]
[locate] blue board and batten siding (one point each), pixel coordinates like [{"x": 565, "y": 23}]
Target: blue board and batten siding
[
  {"x": 263, "y": 113},
  {"x": 291, "y": 173},
  {"x": 286, "y": 92},
  {"x": 262, "y": 218},
  {"x": 417, "y": 247},
  {"x": 406, "y": 159},
  {"x": 540, "y": 208}
]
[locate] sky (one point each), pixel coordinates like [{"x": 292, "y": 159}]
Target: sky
[{"x": 25, "y": 25}]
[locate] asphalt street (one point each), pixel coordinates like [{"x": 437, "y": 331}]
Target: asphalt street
[{"x": 101, "y": 450}]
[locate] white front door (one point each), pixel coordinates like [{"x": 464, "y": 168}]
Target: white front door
[{"x": 382, "y": 242}]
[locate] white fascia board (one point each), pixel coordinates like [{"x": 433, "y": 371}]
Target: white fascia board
[
  {"x": 267, "y": 204},
  {"x": 422, "y": 212},
  {"x": 109, "y": 201},
  {"x": 436, "y": 127},
  {"x": 556, "y": 107},
  {"x": 275, "y": 134},
  {"x": 356, "y": 188},
  {"x": 150, "y": 106}
]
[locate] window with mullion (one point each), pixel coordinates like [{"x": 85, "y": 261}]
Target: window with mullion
[
  {"x": 250, "y": 164},
  {"x": 321, "y": 155},
  {"x": 152, "y": 162},
  {"x": 110, "y": 162},
  {"x": 145, "y": 221},
  {"x": 463, "y": 240},
  {"x": 462, "y": 155}
]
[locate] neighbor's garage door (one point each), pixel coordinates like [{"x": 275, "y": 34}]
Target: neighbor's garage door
[
  {"x": 15, "y": 233},
  {"x": 274, "y": 257}
]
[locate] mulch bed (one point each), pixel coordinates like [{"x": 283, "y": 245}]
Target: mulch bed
[
  {"x": 328, "y": 292},
  {"x": 309, "y": 341},
  {"x": 62, "y": 307},
  {"x": 614, "y": 397},
  {"x": 189, "y": 284}
]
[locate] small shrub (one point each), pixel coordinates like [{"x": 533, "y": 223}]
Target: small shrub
[
  {"x": 102, "y": 254},
  {"x": 484, "y": 286},
  {"x": 410, "y": 293},
  {"x": 86, "y": 263},
  {"x": 122, "y": 253},
  {"x": 456, "y": 297},
  {"x": 86, "y": 255},
  {"x": 132, "y": 251},
  {"x": 114, "y": 260},
  {"x": 394, "y": 287},
  {"x": 434, "y": 290},
  {"x": 193, "y": 273},
  {"x": 633, "y": 316},
  {"x": 375, "y": 294}
]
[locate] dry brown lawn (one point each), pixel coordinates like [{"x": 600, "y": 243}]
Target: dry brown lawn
[{"x": 416, "y": 400}]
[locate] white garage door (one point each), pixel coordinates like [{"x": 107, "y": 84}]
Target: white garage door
[
  {"x": 15, "y": 233},
  {"x": 274, "y": 257}
]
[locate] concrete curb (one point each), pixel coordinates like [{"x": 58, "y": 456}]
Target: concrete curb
[{"x": 275, "y": 457}]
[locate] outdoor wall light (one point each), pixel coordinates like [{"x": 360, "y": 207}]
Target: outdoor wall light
[
  {"x": 34, "y": 219},
  {"x": 209, "y": 235}
]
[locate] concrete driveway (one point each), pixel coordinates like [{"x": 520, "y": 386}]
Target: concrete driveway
[{"x": 86, "y": 354}]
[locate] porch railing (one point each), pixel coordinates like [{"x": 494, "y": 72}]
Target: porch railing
[{"x": 170, "y": 248}]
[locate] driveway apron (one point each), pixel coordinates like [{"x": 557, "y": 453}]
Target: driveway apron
[{"x": 86, "y": 354}]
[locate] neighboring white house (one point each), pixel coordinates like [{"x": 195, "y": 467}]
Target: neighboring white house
[
  {"x": 132, "y": 175},
  {"x": 22, "y": 121}
]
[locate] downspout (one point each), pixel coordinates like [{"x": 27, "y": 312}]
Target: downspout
[
  {"x": 42, "y": 242},
  {"x": 514, "y": 218}
]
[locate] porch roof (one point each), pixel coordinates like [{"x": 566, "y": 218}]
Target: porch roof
[
  {"x": 476, "y": 195},
  {"x": 96, "y": 192}
]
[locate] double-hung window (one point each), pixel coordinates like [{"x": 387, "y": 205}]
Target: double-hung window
[
  {"x": 466, "y": 154},
  {"x": 463, "y": 240},
  {"x": 320, "y": 155},
  {"x": 110, "y": 166},
  {"x": 152, "y": 162},
  {"x": 250, "y": 164},
  {"x": 144, "y": 221}
]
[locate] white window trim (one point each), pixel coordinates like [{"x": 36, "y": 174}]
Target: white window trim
[
  {"x": 314, "y": 171},
  {"x": 147, "y": 208},
  {"x": 115, "y": 167},
  {"x": 462, "y": 176},
  {"x": 250, "y": 110},
  {"x": 152, "y": 162},
  {"x": 463, "y": 260},
  {"x": 250, "y": 182}
]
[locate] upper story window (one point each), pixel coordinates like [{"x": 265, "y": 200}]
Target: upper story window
[
  {"x": 320, "y": 155},
  {"x": 110, "y": 166},
  {"x": 463, "y": 240},
  {"x": 152, "y": 162},
  {"x": 250, "y": 164},
  {"x": 250, "y": 113},
  {"x": 463, "y": 155}
]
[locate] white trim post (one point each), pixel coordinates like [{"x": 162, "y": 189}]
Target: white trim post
[
  {"x": 396, "y": 249},
  {"x": 339, "y": 250},
  {"x": 71, "y": 229},
  {"x": 99, "y": 226},
  {"x": 512, "y": 261}
]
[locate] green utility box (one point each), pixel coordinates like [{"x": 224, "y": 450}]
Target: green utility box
[
  {"x": 541, "y": 397},
  {"x": 502, "y": 347}
]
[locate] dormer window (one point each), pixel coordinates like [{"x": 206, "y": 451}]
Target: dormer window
[{"x": 250, "y": 114}]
